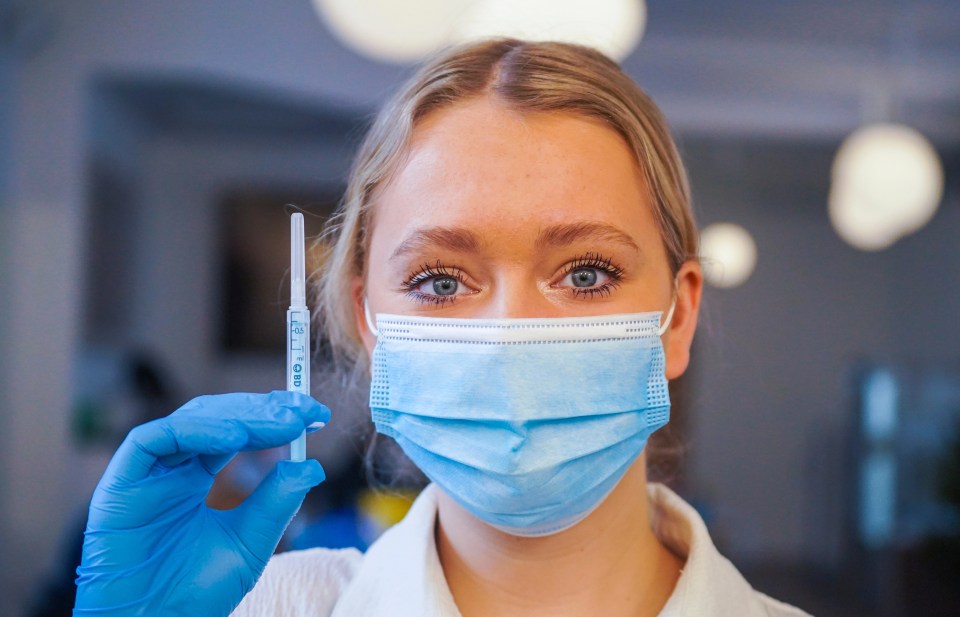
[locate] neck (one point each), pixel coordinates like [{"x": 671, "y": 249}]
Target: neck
[{"x": 611, "y": 559}]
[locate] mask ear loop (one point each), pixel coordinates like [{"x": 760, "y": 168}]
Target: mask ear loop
[
  {"x": 373, "y": 328},
  {"x": 673, "y": 305}
]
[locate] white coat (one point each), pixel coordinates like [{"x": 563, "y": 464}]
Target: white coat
[{"x": 400, "y": 575}]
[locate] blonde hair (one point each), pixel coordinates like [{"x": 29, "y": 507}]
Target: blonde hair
[{"x": 527, "y": 77}]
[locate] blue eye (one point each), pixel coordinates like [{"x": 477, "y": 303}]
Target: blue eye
[
  {"x": 592, "y": 275},
  {"x": 586, "y": 278},
  {"x": 436, "y": 284},
  {"x": 583, "y": 277},
  {"x": 445, "y": 286}
]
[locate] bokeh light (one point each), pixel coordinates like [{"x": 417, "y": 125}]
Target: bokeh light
[
  {"x": 728, "y": 253},
  {"x": 887, "y": 183},
  {"x": 614, "y": 27},
  {"x": 405, "y": 32},
  {"x": 390, "y": 31}
]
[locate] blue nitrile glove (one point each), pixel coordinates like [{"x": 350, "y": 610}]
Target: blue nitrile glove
[{"x": 153, "y": 547}]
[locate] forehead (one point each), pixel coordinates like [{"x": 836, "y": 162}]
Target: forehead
[{"x": 483, "y": 166}]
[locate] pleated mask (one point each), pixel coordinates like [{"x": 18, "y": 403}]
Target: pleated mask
[{"x": 527, "y": 423}]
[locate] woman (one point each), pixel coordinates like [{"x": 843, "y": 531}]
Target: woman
[{"x": 517, "y": 255}]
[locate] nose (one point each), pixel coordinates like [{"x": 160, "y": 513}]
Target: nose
[{"x": 516, "y": 294}]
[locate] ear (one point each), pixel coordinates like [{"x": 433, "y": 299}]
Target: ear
[
  {"x": 358, "y": 294},
  {"x": 679, "y": 336}
]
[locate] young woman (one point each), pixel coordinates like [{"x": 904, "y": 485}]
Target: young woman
[{"x": 515, "y": 263}]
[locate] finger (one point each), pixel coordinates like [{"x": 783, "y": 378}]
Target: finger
[
  {"x": 260, "y": 521},
  {"x": 213, "y": 463},
  {"x": 216, "y": 425}
]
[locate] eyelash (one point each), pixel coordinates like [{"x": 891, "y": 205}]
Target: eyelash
[
  {"x": 605, "y": 265},
  {"x": 426, "y": 272}
]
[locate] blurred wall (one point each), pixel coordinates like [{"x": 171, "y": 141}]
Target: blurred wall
[
  {"x": 6, "y": 117},
  {"x": 776, "y": 357},
  {"x": 45, "y": 218},
  {"x": 182, "y": 192},
  {"x": 7, "y": 88}
]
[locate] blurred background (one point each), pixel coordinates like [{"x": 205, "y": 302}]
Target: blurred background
[{"x": 150, "y": 151}]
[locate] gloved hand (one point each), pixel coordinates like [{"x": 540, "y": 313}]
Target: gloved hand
[{"x": 153, "y": 547}]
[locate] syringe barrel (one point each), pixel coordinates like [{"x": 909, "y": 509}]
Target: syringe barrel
[
  {"x": 298, "y": 350},
  {"x": 298, "y": 367}
]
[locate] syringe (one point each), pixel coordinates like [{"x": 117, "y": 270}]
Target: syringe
[{"x": 298, "y": 329}]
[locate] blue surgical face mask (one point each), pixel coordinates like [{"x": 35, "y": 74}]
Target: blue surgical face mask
[{"x": 527, "y": 423}]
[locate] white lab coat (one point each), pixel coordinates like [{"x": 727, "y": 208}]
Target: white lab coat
[{"x": 400, "y": 575}]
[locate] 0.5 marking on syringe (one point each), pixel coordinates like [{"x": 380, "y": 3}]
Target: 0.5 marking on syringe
[{"x": 298, "y": 354}]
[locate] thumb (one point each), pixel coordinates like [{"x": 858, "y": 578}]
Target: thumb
[{"x": 260, "y": 521}]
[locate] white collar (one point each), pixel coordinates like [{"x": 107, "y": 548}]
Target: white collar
[{"x": 401, "y": 574}]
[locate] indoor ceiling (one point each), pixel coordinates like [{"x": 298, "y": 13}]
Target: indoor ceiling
[
  {"x": 810, "y": 70},
  {"x": 814, "y": 68}
]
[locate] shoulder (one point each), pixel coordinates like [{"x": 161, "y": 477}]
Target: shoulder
[
  {"x": 709, "y": 584},
  {"x": 776, "y": 608},
  {"x": 305, "y": 582}
]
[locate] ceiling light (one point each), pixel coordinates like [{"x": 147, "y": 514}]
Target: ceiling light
[
  {"x": 408, "y": 31},
  {"x": 612, "y": 26},
  {"x": 728, "y": 254},
  {"x": 389, "y": 30},
  {"x": 887, "y": 183}
]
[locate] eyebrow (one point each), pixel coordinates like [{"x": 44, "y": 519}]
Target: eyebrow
[
  {"x": 568, "y": 233},
  {"x": 457, "y": 239},
  {"x": 462, "y": 240}
]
